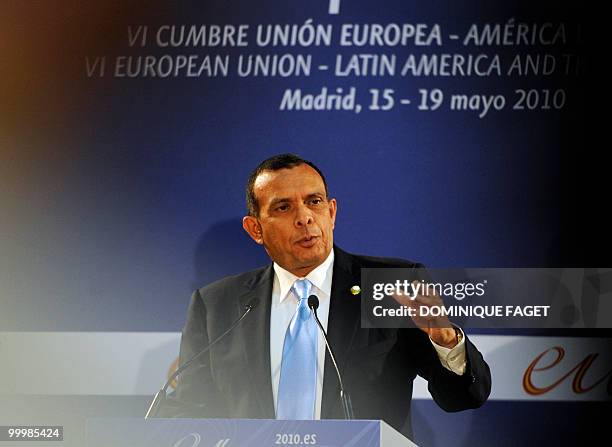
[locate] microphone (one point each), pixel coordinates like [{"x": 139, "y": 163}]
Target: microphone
[
  {"x": 160, "y": 397},
  {"x": 347, "y": 406}
]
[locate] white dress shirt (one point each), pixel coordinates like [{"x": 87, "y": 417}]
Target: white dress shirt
[{"x": 284, "y": 304}]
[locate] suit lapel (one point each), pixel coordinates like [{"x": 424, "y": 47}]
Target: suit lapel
[
  {"x": 256, "y": 336},
  {"x": 343, "y": 322}
]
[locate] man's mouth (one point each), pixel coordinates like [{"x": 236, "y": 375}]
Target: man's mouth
[{"x": 307, "y": 241}]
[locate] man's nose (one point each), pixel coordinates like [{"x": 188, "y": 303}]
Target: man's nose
[{"x": 303, "y": 216}]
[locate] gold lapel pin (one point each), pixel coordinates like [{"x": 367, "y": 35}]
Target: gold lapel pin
[{"x": 355, "y": 290}]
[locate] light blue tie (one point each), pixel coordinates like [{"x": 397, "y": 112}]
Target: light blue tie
[{"x": 298, "y": 378}]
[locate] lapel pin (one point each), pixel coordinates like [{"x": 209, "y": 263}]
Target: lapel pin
[{"x": 355, "y": 290}]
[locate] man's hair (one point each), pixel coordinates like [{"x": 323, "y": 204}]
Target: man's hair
[{"x": 276, "y": 163}]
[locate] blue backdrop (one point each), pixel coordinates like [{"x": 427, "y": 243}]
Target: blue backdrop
[{"x": 122, "y": 195}]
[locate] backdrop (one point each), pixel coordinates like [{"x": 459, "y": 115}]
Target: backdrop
[{"x": 451, "y": 133}]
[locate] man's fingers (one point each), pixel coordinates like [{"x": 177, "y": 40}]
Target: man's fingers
[
  {"x": 412, "y": 301},
  {"x": 424, "y": 317},
  {"x": 428, "y": 300}
]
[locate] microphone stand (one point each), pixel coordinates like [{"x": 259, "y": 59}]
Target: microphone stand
[
  {"x": 161, "y": 396},
  {"x": 345, "y": 399}
]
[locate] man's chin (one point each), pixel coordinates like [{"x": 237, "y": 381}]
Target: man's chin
[{"x": 312, "y": 256}]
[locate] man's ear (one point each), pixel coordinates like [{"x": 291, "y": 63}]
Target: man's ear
[
  {"x": 333, "y": 207},
  {"x": 253, "y": 228}
]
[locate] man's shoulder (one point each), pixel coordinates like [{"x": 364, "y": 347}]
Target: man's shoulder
[
  {"x": 232, "y": 283},
  {"x": 365, "y": 261}
]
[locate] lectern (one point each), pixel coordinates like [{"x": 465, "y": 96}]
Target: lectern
[{"x": 241, "y": 433}]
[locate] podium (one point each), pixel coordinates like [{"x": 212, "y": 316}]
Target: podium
[{"x": 135, "y": 432}]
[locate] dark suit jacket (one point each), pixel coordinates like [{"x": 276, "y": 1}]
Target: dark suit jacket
[{"x": 377, "y": 365}]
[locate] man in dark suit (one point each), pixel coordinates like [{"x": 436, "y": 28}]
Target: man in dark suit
[{"x": 291, "y": 215}]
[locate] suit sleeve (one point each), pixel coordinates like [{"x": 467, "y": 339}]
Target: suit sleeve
[{"x": 451, "y": 392}]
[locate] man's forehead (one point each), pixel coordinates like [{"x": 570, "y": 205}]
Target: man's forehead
[{"x": 302, "y": 178}]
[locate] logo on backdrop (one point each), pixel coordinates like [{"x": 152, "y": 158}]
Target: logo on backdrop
[
  {"x": 195, "y": 440},
  {"x": 579, "y": 371},
  {"x": 171, "y": 371}
]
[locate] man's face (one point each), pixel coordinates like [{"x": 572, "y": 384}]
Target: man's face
[{"x": 296, "y": 221}]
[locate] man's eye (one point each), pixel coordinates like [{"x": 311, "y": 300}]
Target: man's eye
[
  {"x": 316, "y": 201},
  {"x": 282, "y": 208}
]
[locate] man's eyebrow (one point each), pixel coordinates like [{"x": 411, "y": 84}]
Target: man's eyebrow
[
  {"x": 287, "y": 200},
  {"x": 315, "y": 194},
  {"x": 279, "y": 200}
]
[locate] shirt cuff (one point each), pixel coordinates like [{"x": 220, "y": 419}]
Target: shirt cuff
[{"x": 453, "y": 359}]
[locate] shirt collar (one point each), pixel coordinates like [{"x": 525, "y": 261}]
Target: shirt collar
[{"x": 320, "y": 278}]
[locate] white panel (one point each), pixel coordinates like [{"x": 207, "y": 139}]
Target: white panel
[
  {"x": 510, "y": 356},
  {"x": 135, "y": 363},
  {"x": 107, "y": 363}
]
